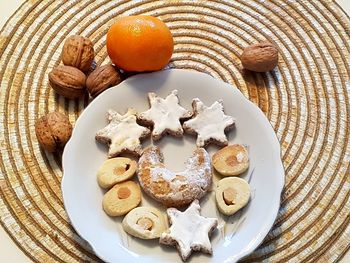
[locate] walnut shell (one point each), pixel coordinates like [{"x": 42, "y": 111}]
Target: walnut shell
[
  {"x": 78, "y": 52},
  {"x": 101, "y": 79},
  {"x": 53, "y": 131},
  {"x": 261, "y": 57},
  {"x": 68, "y": 81}
]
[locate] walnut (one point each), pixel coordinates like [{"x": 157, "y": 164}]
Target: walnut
[
  {"x": 78, "y": 52},
  {"x": 53, "y": 131},
  {"x": 261, "y": 57},
  {"x": 101, "y": 79},
  {"x": 68, "y": 81}
]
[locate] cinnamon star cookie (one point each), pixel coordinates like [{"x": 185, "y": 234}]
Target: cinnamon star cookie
[
  {"x": 122, "y": 134},
  {"x": 189, "y": 230},
  {"x": 209, "y": 123},
  {"x": 164, "y": 115}
]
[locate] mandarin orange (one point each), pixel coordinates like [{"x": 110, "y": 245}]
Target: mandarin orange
[{"x": 139, "y": 43}]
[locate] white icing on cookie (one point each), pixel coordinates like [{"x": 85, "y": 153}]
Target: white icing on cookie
[
  {"x": 165, "y": 115},
  {"x": 122, "y": 133},
  {"x": 189, "y": 230},
  {"x": 209, "y": 123}
]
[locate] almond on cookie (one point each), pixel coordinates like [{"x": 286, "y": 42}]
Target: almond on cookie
[{"x": 121, "y": 198}]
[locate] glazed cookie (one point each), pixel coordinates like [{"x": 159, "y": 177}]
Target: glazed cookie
[
  {"x": 232, "y": 194},
  {"x": 121, "y": 198},
  {"x": 170, "y": 188},
  {"x": 231, "y": 160},
  {"x": 164, "y": 115},
  {"x": 145, "y": 223},
  {"x": 115, "y": 170},
  {"x": 189, "y": 231},
  {"x": 122, "y": 133},
  {"x": 209, "y": 123}
]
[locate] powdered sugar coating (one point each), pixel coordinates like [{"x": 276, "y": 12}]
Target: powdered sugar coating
[
  {"x": 164, "y": 115},
  {"x": 209, "y": 123},
  {"x": 122, "y": 133},
  {"x": 240, "y": 157},
  {"x": 175, "y": 188}
]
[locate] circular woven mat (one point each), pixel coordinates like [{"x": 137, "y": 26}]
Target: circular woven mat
[{"x": 306, "y": 100}]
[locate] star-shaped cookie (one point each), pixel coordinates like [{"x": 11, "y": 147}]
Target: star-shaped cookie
[
  {"x": 122, "y": 133},
  {"x": 164, "y": 115},
  {"x": 209, "y": 123},
  {"x": 189, "y": 230}
]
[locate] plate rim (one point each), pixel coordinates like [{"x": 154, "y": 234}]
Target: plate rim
[{"x": 276, "y": 145}]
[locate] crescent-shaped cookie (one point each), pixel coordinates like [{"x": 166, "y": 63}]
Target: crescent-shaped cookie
[{"x": 175, "y": 188}]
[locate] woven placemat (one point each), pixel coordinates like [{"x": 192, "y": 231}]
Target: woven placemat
[{"x": 306, "y": 100}]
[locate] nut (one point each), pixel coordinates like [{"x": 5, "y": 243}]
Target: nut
[
  {"x": 53, "y": 131},
  {"x": 78, "y": 52},
  {"x": 261, "y": 57},
  {"x": 229, "y": 195},
  {"x": 145, "y": 223},
  {"x": 68, "y": 81},
  {"x": 123, "y": 193},
  {"x": 101, "y": 79}
]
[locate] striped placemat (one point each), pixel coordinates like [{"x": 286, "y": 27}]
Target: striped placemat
[{"x": 306, "y": 100}]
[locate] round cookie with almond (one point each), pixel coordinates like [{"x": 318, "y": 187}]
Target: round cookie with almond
[
  {"x": 232, "y": 194},
  {"x": 121, "y": 198},
  {"x": 115, "y": 170},
  {"x": 231, "y": 160},
  {"x": 145, "y": 223}
]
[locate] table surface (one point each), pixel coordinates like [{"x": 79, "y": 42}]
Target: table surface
[{"x": 8, "y": 249}]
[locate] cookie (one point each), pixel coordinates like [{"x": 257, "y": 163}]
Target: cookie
[
  {"x": 122, "y": 133},
  {"x": 189, "y": 231},
  {"x": 209, "y": 123},
  {"x": 115, "y": 170},
  {"x": 145, "y": 223},
  {"x": 231, "y": 160},
  {"x": 231, "y": 194},
  {"x": 164, "y": 115},
  {"x": 170, "y": 188},
  {"x": 122, "y": 198}
]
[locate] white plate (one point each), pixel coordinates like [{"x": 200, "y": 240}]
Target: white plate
[{"x": 83, "y": 156}]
